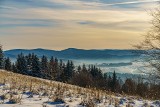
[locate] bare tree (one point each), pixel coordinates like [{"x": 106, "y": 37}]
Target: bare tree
[{"x": 151, "y": 43}]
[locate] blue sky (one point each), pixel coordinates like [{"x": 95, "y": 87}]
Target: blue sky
[{"x": 60, "y": 24}]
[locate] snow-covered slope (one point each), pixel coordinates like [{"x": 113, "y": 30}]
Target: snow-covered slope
[{"x": 23, "y": 91}]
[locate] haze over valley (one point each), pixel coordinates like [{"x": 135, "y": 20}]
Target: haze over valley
[{"x": 109, "y": 60}]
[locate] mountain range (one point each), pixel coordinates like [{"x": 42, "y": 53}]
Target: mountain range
[{"x": 73, "y": 53}]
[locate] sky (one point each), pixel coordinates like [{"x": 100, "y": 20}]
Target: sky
[{"x": 84, "y": 24}]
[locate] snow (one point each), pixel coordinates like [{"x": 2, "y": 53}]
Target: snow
[{"x": 63, "y": 95}]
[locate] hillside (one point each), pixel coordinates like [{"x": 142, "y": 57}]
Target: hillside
[{"x": 24, "y": 91}]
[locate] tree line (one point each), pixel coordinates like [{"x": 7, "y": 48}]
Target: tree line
[{"x": 84, "y": 76}]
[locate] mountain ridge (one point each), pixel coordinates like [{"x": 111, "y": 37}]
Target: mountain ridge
[{"x": 74, "y": 53}]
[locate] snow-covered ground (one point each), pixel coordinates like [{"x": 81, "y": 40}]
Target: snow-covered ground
[{"x": 24, "y": 91}]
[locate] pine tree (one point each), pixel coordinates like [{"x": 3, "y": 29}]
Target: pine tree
[
  {"x": 57, "y": 70},
  {"x": 96, "y": 72},
  {"x": 8, "y": 64},
  {"x": 35, "y": 70},
  {"x": 61, "y": 69},
  {"x": 1, "y": 58},
  {"x": 84, "y": 68},
  {"x": 14, "y": 68},
  {"x": 109, "y": 82},
  {"x": 105, "y": 76},
  {"x": 44, "y": 67},
  {"x": 114, "y": 81},
  {"x": 29, "y": 59},
  {"x": 61, "y": 66},
  {"x": 52, "y": 70},
  {"x": 63, "y": 74},
  {"x": 69, "y": 70},
  {"x": 21, "y": 64},
  {"x": 79, "y": 69}
]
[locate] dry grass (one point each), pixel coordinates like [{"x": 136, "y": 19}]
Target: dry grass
[
  {"x": 19, "y": 84},
  {"x": 23, "y": 82}
]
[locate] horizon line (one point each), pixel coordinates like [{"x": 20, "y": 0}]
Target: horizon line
[{"x": 68, "y": 48}]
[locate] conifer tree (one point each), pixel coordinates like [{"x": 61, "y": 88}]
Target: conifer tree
[
  {"x": 79, "y": 69},
  {"x": 36, "y": 66},
  {"x": 44, "y": 66},
  {"x": 1, "y": 58},
  {"x": 61, "y": 65},
  {"x": 63, "y": 74},
  {"x": 52, "y": 68},
  {"x": 21, "y": 64},
  {"x": 84, "y": 68},
  {"x": 7, "y": 64},
  {"x": 29, "y": 59},
  {"x": 69, "y": 70},
  {"x": 14, "y": 68},
  {"x": 61, "y": 69},
  {"x": 114, "y": 81},
  {"x": 57, "y": 70}
]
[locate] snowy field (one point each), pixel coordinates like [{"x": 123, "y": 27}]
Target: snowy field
[{"x": 23, "y": 91}]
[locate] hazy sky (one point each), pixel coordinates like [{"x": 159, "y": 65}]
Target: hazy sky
[{"x": 60, "y": 24}]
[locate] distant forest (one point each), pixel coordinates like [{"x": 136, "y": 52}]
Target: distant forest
[{"x": 84, "y": 76}]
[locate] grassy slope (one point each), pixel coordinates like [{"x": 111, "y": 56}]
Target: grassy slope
[{"x": 17, "y": 85}]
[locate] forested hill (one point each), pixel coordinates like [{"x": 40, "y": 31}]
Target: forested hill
[{"x": 73, "y": 53}]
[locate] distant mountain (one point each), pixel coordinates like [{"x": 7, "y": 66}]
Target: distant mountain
[{"x": 73, "y": 53}]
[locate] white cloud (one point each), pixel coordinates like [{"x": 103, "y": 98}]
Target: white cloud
[
  {"x": 102, "y": 18},
  {"x": 115, "y": 25},
  {"x": 96, "y": 4},
  {"x": 132, "y": 2}
]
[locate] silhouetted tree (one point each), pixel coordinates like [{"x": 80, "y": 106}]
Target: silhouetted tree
[
  {"x": 54, "y": 68},
  {"x": 1, "y": 58},
  {"x": 82, "y": 77},
  {"x": 14, "y": 68},
  {"x": 142, "y": 90},
  {"x": 79, "y": 69},
  {"x": 29, "y": 59},
  {"x": 151, "y": 44},
  {"x": 35, "y": 66},
  {"x": 7, "y": 64},
  {"x": 21, "y": 64},
  {"x": 114, "y": 81},
  {"x": 60, "y": 72},
  {"x": 129, "y": 87},
  {"x": 44, "y": 66},
  {"x": 69, "y": 70}
]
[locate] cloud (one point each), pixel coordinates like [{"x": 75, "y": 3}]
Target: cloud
[
  {"x": 132, "y": 2},
  {"x": 97, "y": 18},
  {"x": 14, "y": 22},
  {"x": 47, "y": 16},
  {"x": 7, "y": 7},
  {"x": 23, "y": 4},
  {"x": 122, "y": 25},
  {"x": 105, "y": 4},
  {"x": 66, "y": 23}
]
